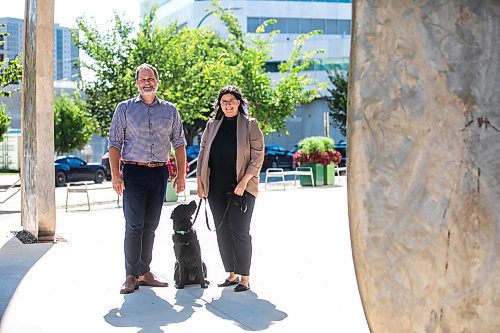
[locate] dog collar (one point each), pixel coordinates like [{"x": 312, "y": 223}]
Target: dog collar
[{"x": 182, "y": 232}]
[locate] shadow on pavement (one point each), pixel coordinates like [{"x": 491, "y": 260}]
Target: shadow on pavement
[
  {"x": 149, "y": 312},
  {"x": 16, "y": 260},
  {"x": 246, "y": 310}
]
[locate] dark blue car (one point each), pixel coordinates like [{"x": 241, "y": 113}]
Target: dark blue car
[
  {"x": 276, "y": 156},
  {"x": 74, "y": 169},
  {"x": 341, "y": 147}
]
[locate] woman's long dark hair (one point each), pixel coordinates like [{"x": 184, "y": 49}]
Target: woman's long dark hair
[{"x": 243, "y": 108}]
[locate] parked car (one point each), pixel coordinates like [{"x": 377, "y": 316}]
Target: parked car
[
  {"x": 73, "y": 169},
  {"x": 105, "y": 164},
  {"x": 276, "y": 156},
  {"x": 341, "y": 147}
]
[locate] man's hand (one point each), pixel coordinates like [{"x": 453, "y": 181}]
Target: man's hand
[
  {"x": 179, "y": 184},
  {"x": 116, "y": 174},
  {"x": 118, "y": 183}
]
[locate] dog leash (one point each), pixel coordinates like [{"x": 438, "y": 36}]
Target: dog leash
[{"x": 206, "y": 214}]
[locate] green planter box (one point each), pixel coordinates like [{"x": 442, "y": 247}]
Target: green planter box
[
  {"x": 329, "y": 174},
  {"x": 171, "y": 196},
  {"x": 318, "y": 175}
]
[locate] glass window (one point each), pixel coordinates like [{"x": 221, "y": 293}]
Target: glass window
[
  {"x": 318, "y": 24},
  {"x": 344, "y": 27},
  {"x": 298, "y": 25},
  {"x": 272, "y": 66},
  {"x": 252, "y": 24},
  {"x": 293, "y": 26},
  {"x": 279, "y": 25},
  {"x": 75, "y": 162},
  {"x": 332, "y": 27},
  {"x": 305, "y": 25}
]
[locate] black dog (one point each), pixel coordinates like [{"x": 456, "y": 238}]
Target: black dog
[{"x": 189, "y": 268}]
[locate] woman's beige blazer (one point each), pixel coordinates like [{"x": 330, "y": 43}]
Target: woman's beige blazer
[{"x": 249, "y": 151}]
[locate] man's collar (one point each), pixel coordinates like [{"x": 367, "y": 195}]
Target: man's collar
[{"x": 140, "y": 99}]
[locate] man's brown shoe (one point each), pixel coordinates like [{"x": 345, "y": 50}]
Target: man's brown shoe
[
  {"x": 148, "y": 279},
  {"x": 130, "y": 285}
]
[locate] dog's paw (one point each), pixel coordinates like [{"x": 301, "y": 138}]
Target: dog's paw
[{"x": 178, "y": 286}]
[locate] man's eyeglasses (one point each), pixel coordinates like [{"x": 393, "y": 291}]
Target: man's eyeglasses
[{"x": 229, "y": 103}]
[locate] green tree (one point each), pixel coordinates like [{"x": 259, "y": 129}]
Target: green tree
[
  {"x": 337, "y": 102},
  {"x": 193, "y": 65},
  {"x": 270, "y": 102},
  {"x": 73, "y": 126},
  {"x": 111, "y": 66},
  {"x": 10, "y": 70},
  {"x": 4, "y": 120}
]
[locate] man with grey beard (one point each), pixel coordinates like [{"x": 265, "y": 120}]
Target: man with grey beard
[{"x": 143, "y": 131}]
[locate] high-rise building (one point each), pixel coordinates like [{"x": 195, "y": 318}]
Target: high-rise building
[
  {"x": 65, "y": 52},
  {"x": 293, "y": 17}
]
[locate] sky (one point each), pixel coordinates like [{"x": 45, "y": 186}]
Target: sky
[{"x": 66, "y": 11}]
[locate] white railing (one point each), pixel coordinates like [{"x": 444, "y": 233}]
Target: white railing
[{"x": 191, "y": 172}]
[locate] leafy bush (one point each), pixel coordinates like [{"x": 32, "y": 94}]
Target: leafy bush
[
  {"x": 316, "y": 150},
  {"x": 4, "y": 121}
]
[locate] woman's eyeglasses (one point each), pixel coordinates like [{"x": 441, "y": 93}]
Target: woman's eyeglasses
[{"x": 228, "y": 103}]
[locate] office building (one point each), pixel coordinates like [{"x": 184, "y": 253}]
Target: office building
[
  {"x": 65, "y": 52},
  {"x": 293, "y": 17}
]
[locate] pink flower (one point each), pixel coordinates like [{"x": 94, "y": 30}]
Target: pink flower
[
  {"x": 172, "y": 167},
  {"x": 316, "y": 157}
]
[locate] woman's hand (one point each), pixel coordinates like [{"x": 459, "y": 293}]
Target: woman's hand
[
  {"x": 200, "y": 189},
  {"x": 241, "y": 187}
]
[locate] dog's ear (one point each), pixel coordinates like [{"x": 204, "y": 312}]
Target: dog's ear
[{"x": 192, "y": 204}]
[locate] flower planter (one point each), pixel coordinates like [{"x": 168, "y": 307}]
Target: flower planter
[
  {"x": 329, "y": 174},
  {"x": 171, "y": 196},
  {"x": 318, "y": 175}
]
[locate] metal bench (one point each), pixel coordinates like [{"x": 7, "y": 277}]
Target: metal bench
[
  {"x": 280, "y": 173},
  {"x": 16, "y": 186},
  {"x": 338, "y": 170},
  {"x": 83, "y": 187}
]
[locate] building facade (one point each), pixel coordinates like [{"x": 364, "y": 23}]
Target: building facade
[
  {"x": 293, "y": 17},
  {"x": 66, "y": 53}
]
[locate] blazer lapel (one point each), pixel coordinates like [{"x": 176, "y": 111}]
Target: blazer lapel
[{"x": 242, "y": 145}]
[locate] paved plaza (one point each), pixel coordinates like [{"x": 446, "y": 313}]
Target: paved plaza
[{"x": 302, "y": 277}]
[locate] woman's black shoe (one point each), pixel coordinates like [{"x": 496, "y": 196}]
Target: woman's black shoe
[
  {"x": 241, "y": 287},
  {"x": 228, "y": 283}
]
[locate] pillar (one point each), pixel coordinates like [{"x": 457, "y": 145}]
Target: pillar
[
  {"x": 37, "y": 121},
  {"x": 424, "y": 164}
]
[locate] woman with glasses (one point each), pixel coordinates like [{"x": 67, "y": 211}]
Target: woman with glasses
[{"x": 229, "y": 163}]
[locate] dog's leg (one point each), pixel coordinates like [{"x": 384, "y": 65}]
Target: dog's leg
[
  {"x": 205, "y": 274},
  {"x": 182, "y": 275},
  {"x": 199, "y": 267}
]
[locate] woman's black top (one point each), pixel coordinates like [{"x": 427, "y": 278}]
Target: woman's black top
[{"x": 222, "y": 160}]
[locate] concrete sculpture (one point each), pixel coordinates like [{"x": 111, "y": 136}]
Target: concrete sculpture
[{"x": 424, "y": 164}]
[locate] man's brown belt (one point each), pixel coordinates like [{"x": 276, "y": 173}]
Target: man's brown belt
[{"x": 148, "y": 164}]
